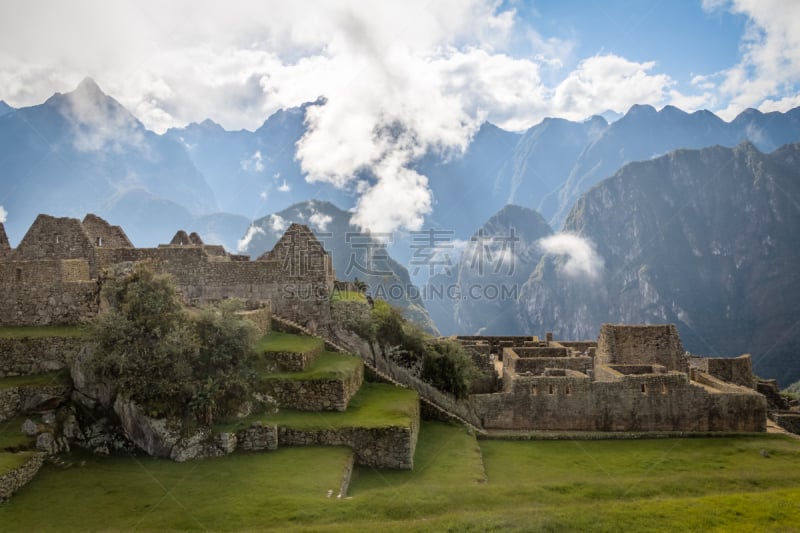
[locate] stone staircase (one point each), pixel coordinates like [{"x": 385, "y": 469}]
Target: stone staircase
[{"x": 424, "y": 396}]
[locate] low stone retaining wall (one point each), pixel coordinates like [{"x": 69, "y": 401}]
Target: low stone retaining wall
[
  {"x": 12, "y": 481},
  {"x": 23, "y": 356},
  {"x": 788, "y": 421},
  {"x": 317, "y": 394},
  {"x": 291, "y": 361},
  {"x": 387, "y": 447},
  {"x": 257, "y": 437},
  {"x": 17, "y": 400}
]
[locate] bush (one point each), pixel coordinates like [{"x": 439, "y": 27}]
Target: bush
[
  {"x": 446, "y": 366},
  {"x": 442, "y": 363},
  {"x": 196, "y": 366}
]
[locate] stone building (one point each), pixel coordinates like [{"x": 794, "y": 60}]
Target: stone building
[
  {"x": 634, "y": 378},
  {"x": 54, "y": 275}
]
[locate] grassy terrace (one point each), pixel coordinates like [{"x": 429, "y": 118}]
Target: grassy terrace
[
  {"x": 287, "y": 342},
  {"x": 375, "y": 405},
  {"x": 59, "y": 377},
  {"x": 329, "y": 365},
  {"x": 40, "y": 332},
  {"x": 10, "y": 461},
  {"x": 458, "y": 484},
  {"x": 11, "y": 436}
]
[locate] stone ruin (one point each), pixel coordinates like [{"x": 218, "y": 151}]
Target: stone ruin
[
  {"x": 634, "y": 378},
  {"x": 54, "y": 275}
]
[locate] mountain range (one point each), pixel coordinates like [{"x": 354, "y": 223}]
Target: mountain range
[{"x": 679, "y": 217}]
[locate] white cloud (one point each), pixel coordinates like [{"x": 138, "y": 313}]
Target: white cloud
[
  {"x": 254, "y": 163},
  {"x": 284, "y": 187},
  {"x": 768, "y": 74},
  {"x": 583, "y": 261},
  {"x": 399, "y": 78},
  {"x": 320, "y": 220},
  {"x": 277, "y": 223},
  {"x": 244, "y": 242},
  {"x": 3, "y": 214},
  {"x": 604, "y": 82},
  {"x": 263, "y": 195}
]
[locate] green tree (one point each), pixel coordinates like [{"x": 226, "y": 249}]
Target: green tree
[{"x": 170, "y": 361}]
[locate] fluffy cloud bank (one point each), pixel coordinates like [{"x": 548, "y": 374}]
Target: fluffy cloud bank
[
  {"x": 583, "y": 261},
  {"x": 398, "y": 79}
]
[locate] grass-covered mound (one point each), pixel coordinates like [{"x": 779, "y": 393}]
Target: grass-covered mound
[
  {"x": 58, "y": 377},
  {"x": 376, "y": 405},
  {"x": 276, "y": 341},
  {"x": 329, "y": 365},
  {"x": 41, "y": 332},
  {"x": 10, "y": 461},
  {"x": 720, "y": 484},
  {"x": 11, "y": 436}
]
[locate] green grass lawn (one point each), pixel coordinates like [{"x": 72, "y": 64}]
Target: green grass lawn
[
  {"x": 11, "y": 435},
  {"x": 375, "y": 405},
  {"x": 250, "y": 491},
  {"x": 39, "y": 332},
  {"x": 10, "y": 461},
  {"x": 328, "y": 365},
  {"x": 287, "y": 342},
  {"x": 59, "y": 377},
  {"x": 459, "y": 484}
]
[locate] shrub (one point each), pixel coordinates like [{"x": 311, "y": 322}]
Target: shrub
[{"x": 196, "y": 366}]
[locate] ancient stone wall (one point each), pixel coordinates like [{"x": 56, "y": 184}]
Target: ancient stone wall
[
  {"x": 665, "y": 402},
  {"x": 46, "y": 292},
  {"x": 27, "y": 355},
  {"x": 386, "y": 447},
  {"x": 290, "y": 361},
  {"x": 258, "y": 437},
  {"x": 261, "y": 317},
  {"x": 316, "y": 394},
  {"x": 350, "y": 313},
  {"x": 5, "y": 246},
  {"x": 18, "y": 400},
  {"x": 12, "y": 481},
  {"x": 51, "y": 238},
  {"x": 104, "y": 235},
  {"x": 738, "y": 370},
  {"x": 641, "y": 345}
]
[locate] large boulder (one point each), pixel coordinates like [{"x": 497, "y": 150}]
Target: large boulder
[{"x": 89, "y": 390}]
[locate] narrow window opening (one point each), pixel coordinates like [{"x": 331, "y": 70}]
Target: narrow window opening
[
  {"x": 663, "y": 388},
  {"x": 569, "y": 389},
  {"x": 551, "y": 389},
  {"x": 644, "y": 388},
  {"x": 534, "y": 390},
  {"x": 19, "y": 274},
  {"x": 99, "y": 241},
  {"x": 58, "y": 238}
]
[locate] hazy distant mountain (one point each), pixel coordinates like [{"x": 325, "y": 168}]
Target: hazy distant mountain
[
  {"x": 355, "y": 254},
  {"x": 254, "y": 173},
  {"x": 644, "y": 133},
  {"x": 464, "y": 190},
  {"x": 78, "y": 151},
  {"x": 493, "y": 265},
  {"x": 706, "y": 239},
  {"x": 5, "y": 108}
]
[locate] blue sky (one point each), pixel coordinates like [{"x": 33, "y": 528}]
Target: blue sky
[
  {"x": 430, "y": 71},
  {"x": 682, "y": 37}
]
